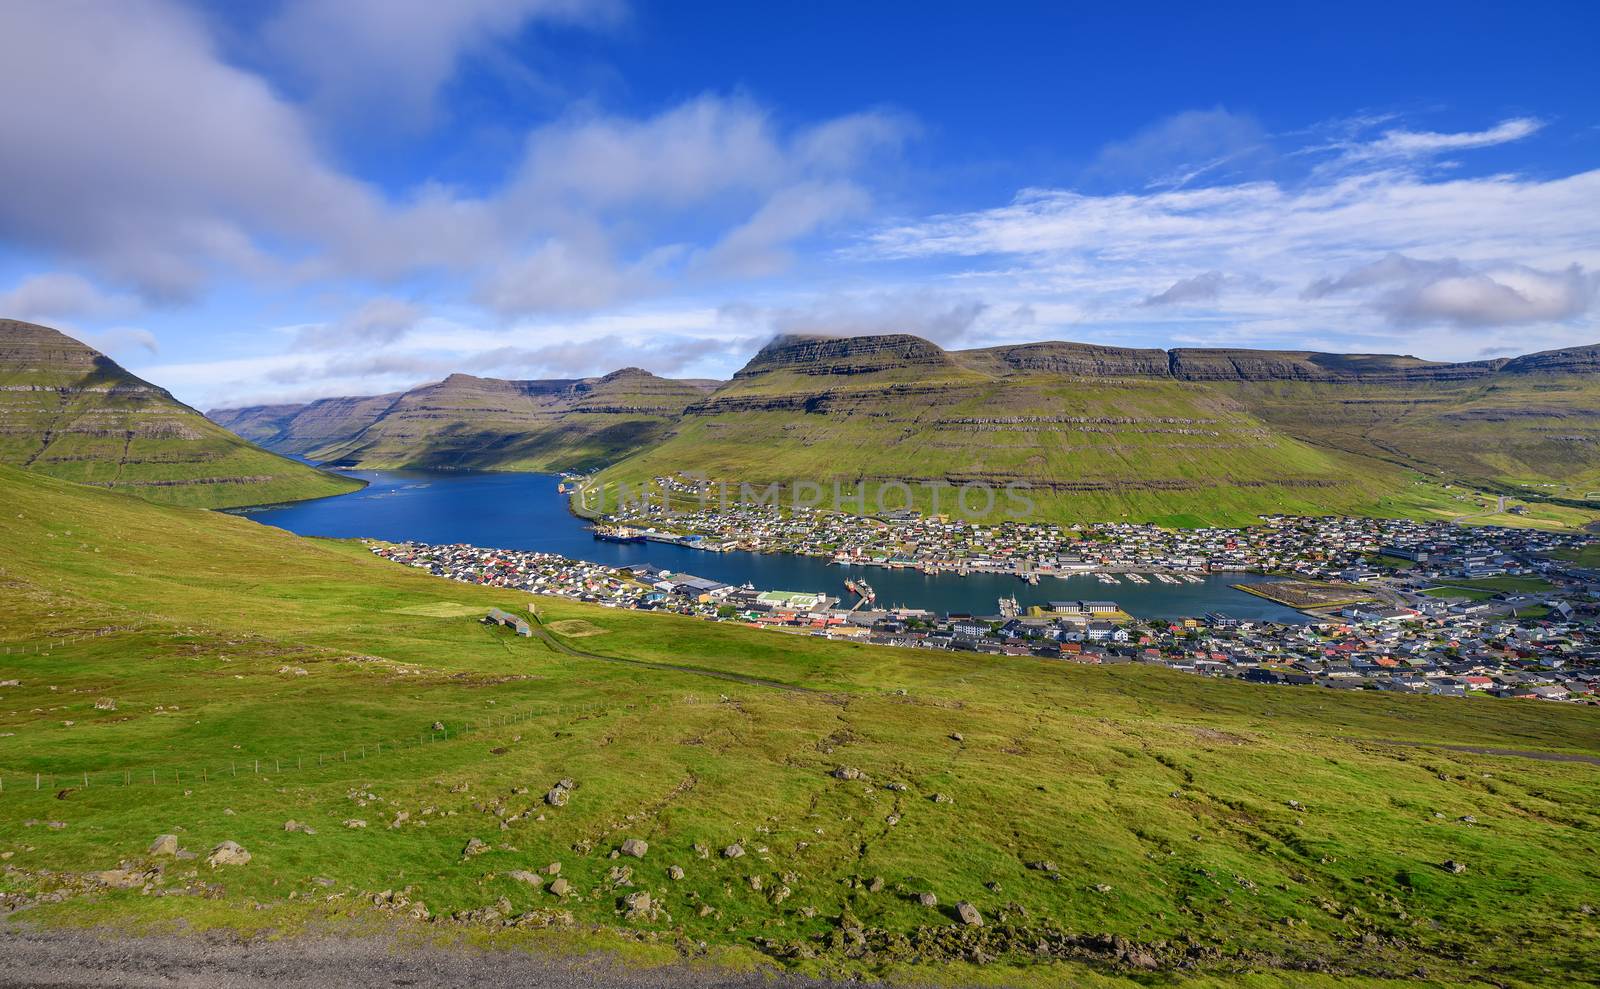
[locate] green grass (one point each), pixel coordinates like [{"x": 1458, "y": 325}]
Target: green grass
[{"x": 1171, "y": 790}]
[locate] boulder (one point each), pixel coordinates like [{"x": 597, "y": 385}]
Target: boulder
[
  {"x": 969, "y": 914},
  {"x": 524, "y": 876},
  {"x": 165, "y": 844},
  {"x": 928, "y": 900},
  {"x": 639, "y": 906},
  {"x": 560, "y": 887},
  {"x": 475, "y": 846},
  {"x": 733, "y": 851},
  {"x": 635, "y": 847},
  {"x": 228, "y": 853},
  {"x": 847, "y": 773},
  {"x": 557, "y": 797},
  {"x": 674, "y": 873}
]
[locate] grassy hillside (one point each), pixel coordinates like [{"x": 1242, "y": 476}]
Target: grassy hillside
[
  {"x": 1108, "y": 446},
  {"x": 1161, "y": 803},
  {"x": 71, "y": 412}
]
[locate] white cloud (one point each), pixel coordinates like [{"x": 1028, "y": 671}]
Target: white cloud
[
  {"x": 1401, "y": 143},
  {"x": 942, "y": 317},
  {"x": 377, "y": 322},
  {"x": 390, "y": 58},
  {"x": 1184, "y": 147},
  {"x": 62, "y": 296},
  {"x": 214, "y": 174},
  {"x": 1420, "y": 291},
  {"x": 1204, "y": 287}
]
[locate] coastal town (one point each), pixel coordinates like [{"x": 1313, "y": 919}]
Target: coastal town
[{"x": 1389, "y": 605}]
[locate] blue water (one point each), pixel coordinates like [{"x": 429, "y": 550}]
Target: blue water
[{"x": 523, "y": 511}]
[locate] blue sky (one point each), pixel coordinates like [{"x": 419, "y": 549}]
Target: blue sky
[{"x": 279, "y": 201}]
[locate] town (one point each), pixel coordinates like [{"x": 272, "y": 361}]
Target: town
[{"x": 1390, "y": 605}]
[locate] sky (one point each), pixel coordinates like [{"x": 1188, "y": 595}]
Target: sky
[{"x": 280, "y": 201}]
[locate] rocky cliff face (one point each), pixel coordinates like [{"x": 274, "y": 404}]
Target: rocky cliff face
[{"x": 69, "y": 410}]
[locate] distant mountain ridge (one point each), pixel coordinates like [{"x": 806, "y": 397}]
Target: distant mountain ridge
[
  {"x": 467, "y": 421},
  {"x": 70, "y": 411},
  {"x": 1182, "y": 435}
]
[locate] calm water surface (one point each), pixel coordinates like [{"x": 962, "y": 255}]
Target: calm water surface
[{"x": 523, "y": 511}]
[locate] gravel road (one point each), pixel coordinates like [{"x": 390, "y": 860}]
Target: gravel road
[{"x": 40, "y": 959}]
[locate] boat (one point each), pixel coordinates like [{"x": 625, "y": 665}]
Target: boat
[{"x": 1137, "y": 578}]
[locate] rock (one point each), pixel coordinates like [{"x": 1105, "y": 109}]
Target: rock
[
  {"x": 940, "y": 798},
  {"x": 733, "y": 851},
  {"x": 437, "y": 726},
  {"x": 928, "y": 900},
  {"x": 1101, "y": 888},
  {"x": 955, "y": 736},
  {"x": 355, "y": 822},
  {"x": 165, "y": 844},
  {"x": 1454, "y": 867},
  {"x": 557, "y": 797},
  {"x": 896, "y": 786},
  {"x": 560, "y": 887},
  {"x": 293, "y": 825},
  {"x": 553, "y": 869},
  {"x": 1043, "y": 866},
  {"x": 875, "y": 884},
  {"x": 1468, "y": 819},
  {"x": 640, "y": 906},
  {"x": 779, "y": 895},
  {"x": 847, "y": 773},
  {"x": 228, "y": 853},
  {"x": 969, "y": 914},
  {"x": 635, "y": 847},
  {"x": 475, "y": 846},
  {"x": 892, "y": 820},
  {"x": 674, "y": 873},
  {"x": 524, "y": 876},
  {"x": 1296, "y": 805},
  {"x": 105, "y": 704}
]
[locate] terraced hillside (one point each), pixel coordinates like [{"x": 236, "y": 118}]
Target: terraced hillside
[
  {"x": 487, "y": 423},
  {"x": 1181, "y": 436},
  {"x": 384, "y": 759},
  {"x": 1093, "y": 432},
  {"x": 72, "y": 412}
]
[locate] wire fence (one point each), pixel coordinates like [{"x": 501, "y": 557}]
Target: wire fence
[{"x": 191, "y": 774}]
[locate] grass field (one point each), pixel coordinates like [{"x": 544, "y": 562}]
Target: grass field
[{"x": 1101, "y": 819}]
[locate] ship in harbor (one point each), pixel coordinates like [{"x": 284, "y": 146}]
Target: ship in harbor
[{"x": 618, "y": 534}]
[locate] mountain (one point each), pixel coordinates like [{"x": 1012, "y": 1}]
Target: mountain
[
  {"x": 471, "y": 422},
  {"x": 1179, "y": 436},
  {"x": 71, "y": 411}
]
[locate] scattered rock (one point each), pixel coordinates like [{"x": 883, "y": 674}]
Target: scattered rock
[
  {"x": 355, "y": 822},
  {"x": 475, "y": 846},
  {"x": 1296, "y": 805},
  {"x": 553, "y": 869},
  {"x": 524, "y": 876},
  {"x": 674, "y": 873},
  {"x": 635, "y": 847},
  {"x": 640, "y": 906},
  {"x": 928, "y": 900},
  {"x": 165, "y": 844},
  {"x": 105, "y": 704},
  {"x": 560, "y": 887},
  {"x": 940, "y": 798},
  {"x": 293, "y": 825},
  {"x": 969, "y": 914},
  {"x": 1468, "y": 819},
  {"x": 228, "y": 853},
  {"x": 1101, "y": 888},
  {"x": 875, "y": 884},
  {"x": 1452, "y": 866},
  {"x": 1044, "y": 865},
  {"x": 847, "y": 773},
  {"x": 733, "y": 851}
]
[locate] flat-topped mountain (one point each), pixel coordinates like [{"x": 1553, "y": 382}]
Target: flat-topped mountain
[
  {"x": 466, "y": 421},
  {"x": 71, "y": 411},
  {"x": 1098, "y": 432}
]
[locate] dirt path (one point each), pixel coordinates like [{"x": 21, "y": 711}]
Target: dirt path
[
  {"x": 1488, "y": 750},
  {"x": 559, "y": 646},
  {"x": 79, "y": 959}
]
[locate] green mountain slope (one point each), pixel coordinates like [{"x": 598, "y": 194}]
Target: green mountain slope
[
  {"x": 1105, "y": 821},
  {"x": 1093, "y": 432},
  {"x": 70, "y": 411}
]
